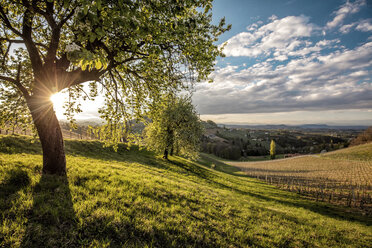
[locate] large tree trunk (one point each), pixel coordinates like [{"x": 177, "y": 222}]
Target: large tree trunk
[{"x": 50, "y": 134}]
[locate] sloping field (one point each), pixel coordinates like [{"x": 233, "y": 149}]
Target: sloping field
[
  {"x": 358, "y": 153},
  {"x": 343, "y": 176},
  {"x": 134, "y": 199}
]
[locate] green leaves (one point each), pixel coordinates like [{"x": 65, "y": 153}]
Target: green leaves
[
  {"x": 175, "y": 126},
  {"x": 137, "y": 51}
]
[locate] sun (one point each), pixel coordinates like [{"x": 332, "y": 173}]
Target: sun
[{"x": 58, "y": 101}]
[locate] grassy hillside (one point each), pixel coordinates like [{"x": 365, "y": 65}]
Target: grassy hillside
[
  {"x": 359, "y": 153},
  {"x": 134, "y": 199}
]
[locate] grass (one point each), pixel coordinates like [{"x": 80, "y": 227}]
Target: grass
[
  {"x": 216, "y": 163},
  {"x": 357, "y": 153},
  {"x": 135, "y": 199},
  {"x": 261, "y": 158},
  {"x": 341, "y": 177}
]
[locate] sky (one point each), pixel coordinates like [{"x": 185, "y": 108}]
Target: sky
[
  {"x": 288, "y": 62},
  {"x": 291, "y": 62}
]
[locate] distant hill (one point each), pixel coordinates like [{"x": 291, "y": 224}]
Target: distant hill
[{"x": 289, "y": 127}]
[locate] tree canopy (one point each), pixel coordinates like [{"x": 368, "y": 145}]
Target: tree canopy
[
  {"x": 131, "y": 50},
  {"x": 175, "y": 127}
]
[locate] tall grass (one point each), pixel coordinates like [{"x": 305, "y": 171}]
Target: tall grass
[{"x": 134, "y": 199}]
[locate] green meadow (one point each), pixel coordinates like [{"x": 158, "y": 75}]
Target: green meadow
[{"x": 133, "y": 198}]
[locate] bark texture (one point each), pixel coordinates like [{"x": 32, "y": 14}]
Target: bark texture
[{"x": 50, "y": 134}]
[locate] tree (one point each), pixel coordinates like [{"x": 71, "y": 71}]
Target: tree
[
  {"x": 175, "y": 128},
  {"x": 272, "y": 149},
  {"x": 363, "y": 138},
  {"x": 134, "y": 50},
  {"x": 211, "y": 124}
]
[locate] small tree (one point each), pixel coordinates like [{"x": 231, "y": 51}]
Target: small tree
[
  {"x": 175, "y": 128},
  {"x": 272, "y": 149},
  {"x": 211, "y": 124}
]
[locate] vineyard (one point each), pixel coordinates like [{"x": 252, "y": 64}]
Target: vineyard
[
  {"x": 66, "y": 132},
  {"x": 342, "y": 177}
]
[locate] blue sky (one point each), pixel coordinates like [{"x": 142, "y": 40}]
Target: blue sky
[{"x": 292, "y": 62}]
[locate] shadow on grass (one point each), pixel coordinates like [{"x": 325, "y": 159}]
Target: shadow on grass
[
  {"x": 14, "y": 181},
  {"x": 51, "y": 221},
  {"x": 16, "y": 144}
]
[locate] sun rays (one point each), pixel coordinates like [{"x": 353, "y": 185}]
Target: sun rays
[{"x": 58, "y": 101}]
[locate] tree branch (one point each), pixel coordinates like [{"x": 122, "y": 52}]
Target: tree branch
[
  {"x": 48, "y": 14},
  {"x": 56, "y": 33},
  {"x": 17, "y": 82},
  {"x": 67, "y": 17},
  {"x": 53, "y": 45},
  {"x": 7, "y": 22},
  {"x": 9, "y": 79},
  {"x": 79, "y": 76},
  {"x": 30, "y": 45},
  {"x": 22, "y": 42},
  {"x": 62, "y": 63}
]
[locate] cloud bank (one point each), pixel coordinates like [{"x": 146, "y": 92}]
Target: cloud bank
[{"x": 295, "y": 68}]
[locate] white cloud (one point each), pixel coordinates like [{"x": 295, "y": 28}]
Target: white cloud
[
  {"x": 278, "y": 40},
  {"x": 252, "y": 27},
  {"x": 346, "y": 28},
  {"x": 280, "y": 34},
  {"x": 345, "y": 10},
  {"x": 273, "y": 18},
  {"x": 336, "y": 80},
  {"x": 365, "y": 26},
  {"x": 293, "y": 69}
]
